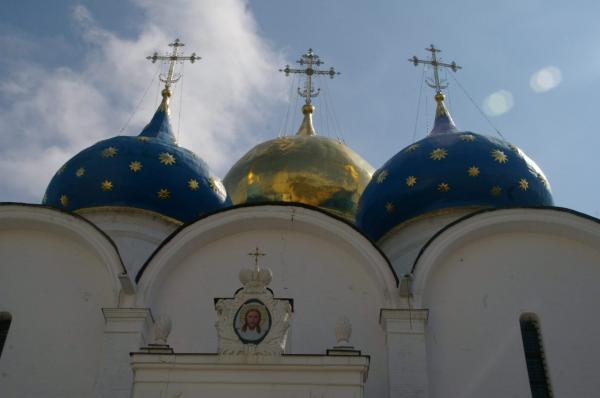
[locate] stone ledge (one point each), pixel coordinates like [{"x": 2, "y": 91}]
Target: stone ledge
[
  {"x": 335, "y": 376},
  {"x": 403, "y": 320}
]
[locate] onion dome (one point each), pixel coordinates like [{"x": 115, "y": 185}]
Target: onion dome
[
  {"x": 450, "y": 169},
  {"x": 149, "y": 172},
  {"x": 305, "y": 168}
]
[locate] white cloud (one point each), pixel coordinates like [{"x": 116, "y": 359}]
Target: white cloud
[
  {"x": 545, "y": 79},
  {"x": 53, "y": 113},
  {"x": 498, "y": 103}
]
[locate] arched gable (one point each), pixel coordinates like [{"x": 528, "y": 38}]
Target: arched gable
[
  {"x": 20, "y": 215},
  {"x": 264, "y": 217},
  {"x": 548, "y": 220}
]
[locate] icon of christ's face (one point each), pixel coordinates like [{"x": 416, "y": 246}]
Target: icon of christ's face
[{"x": 252, "y": 319}]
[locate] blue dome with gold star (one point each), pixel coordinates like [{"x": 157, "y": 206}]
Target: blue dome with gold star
[
  {"x": 449, "y": 169},
  {"x": 149, "y": 172}
]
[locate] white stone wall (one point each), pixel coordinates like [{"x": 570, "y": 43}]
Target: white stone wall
[
  {"x": 478, "y": 280},
  {"x": 472, "y": 282},
  {"x": 326, "y": 281},
  {"x": 62, "y": 274},
  {"x": 54, "y": 282}
]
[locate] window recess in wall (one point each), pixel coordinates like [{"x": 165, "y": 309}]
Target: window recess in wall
[
  {"x": 534, "y": 357},
  {"x": 5, "y": 320}
]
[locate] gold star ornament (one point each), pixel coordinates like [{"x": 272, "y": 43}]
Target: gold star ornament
[
  {"x": 193, "y": 184},
  {"x": 412, "y": 148},
  {"x": 467, "y": 137},
  {"x": 496, "y": 190},
  {"x": 163, "y": 194},
  {"x": 382, "y": 176},
  {"x": 523, "y": 184},
  {"x": 167, "y": 159},
  {"x": 142, "y": 138},
  {"x": 106, "y": 185},
  {"x": 109, "y": 152},
  {"x": 217, "y": 186},
  {"x": 499, "y": 156},
  {"x": 135, "y": 166},
  {"x": 80, "y": 172},
  {"x": 443, "y": 187},
  {"x": 389, "y": 207},
  {"x": 543, "y": 181},
  {"x": 438, "y": 154},
  {"x": 64, "y": 200},
  {"x": 411, "y": 181},
  {"x": 473, "y": 171}
]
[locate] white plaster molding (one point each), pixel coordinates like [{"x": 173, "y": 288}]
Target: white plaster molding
[
  {"x": 289, "y": 218},
  {"x": 282, "y": 376},
  {"x": 407, "y": 357},
  {"x": 127, "y": 320},
  {"x": 303, "y": 362},
  {"x": 544, "y": 221},
  {"x": 125, "y": 331},
  {"x": 405, "y": 321}
]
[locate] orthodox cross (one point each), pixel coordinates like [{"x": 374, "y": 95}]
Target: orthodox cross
[
  {"x": 310, "y": 60},
  {"x": 436, "y": 64},
  {"x": 256, "y": 254},
  {"x": 173, "y": 58}
]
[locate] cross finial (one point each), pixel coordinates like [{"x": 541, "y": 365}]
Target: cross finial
[
  {"x": 256, "y": 254},
  {"x": 309, "y": 61},
  {"x": 174, "y": 57},
  {"x": 437, "y": 84}
]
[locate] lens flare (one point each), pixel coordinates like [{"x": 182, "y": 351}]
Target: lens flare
[
  {"x": 498, "y": 103},
  {"x": 545, "y": 79}
]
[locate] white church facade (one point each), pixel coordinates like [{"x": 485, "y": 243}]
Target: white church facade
[{"x": 448, "y": 272}]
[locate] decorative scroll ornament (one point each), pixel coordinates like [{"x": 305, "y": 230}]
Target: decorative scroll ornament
[{"x": 253, "y": 322}]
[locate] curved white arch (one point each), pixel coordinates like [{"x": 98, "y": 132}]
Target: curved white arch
[
  {"x": 557, "y": 221},
  {"x": 242, "y": 219},
  {"x": 14, "y": 215}
]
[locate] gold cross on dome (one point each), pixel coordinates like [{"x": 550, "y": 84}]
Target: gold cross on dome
[
  {"x": 436, "y": 64},
  {"x": 310, "y": 60},
  {"x": 256, "y": 254},
  {"x": 174, "y": 57}
]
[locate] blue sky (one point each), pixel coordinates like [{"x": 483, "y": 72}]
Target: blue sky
[{"x": 74, "y": 73}]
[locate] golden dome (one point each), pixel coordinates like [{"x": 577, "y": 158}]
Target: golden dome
[{"x": 305, "y": 168}]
